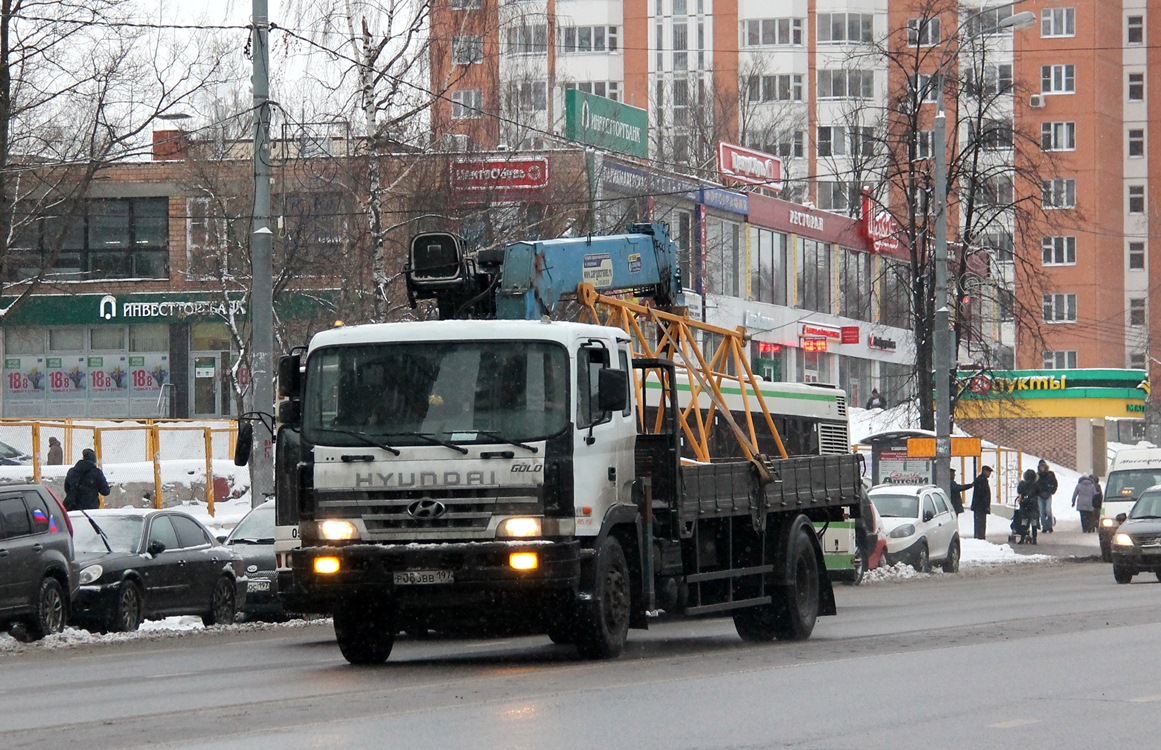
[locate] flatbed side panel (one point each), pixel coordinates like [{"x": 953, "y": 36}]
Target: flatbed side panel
[
  {"x": 815, "y": 482},
  {"x": 719, "y": 491}
]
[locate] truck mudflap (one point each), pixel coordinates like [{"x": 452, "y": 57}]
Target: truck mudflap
[{"x": 469, "y": 573}]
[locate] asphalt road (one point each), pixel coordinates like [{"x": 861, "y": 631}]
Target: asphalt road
[{"x": 1052, "y": 655}]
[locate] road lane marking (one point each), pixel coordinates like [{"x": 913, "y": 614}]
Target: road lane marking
[
  {"x": 1146, "y": 699},
  {"x": 1012, "y": 724}
]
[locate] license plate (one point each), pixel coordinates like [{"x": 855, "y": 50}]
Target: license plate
[
  {"x": 258, "y": 584},
  {"x": 413, "y": 577}
]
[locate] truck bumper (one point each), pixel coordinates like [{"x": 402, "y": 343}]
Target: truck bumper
[{"x": 481, "y": 577}]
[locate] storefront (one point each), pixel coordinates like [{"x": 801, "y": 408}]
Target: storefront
[{"x": 115, "y": 356}]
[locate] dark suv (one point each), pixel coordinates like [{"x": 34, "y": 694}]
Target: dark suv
[{"x": 38, "y": 576}]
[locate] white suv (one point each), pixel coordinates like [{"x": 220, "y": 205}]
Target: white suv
[{"x": 922, "y": 526}]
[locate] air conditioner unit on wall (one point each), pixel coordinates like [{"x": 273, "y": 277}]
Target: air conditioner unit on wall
[{"x": 1036, "y": 101}]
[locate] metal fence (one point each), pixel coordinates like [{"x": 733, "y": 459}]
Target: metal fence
[{"x": 152, "y": 444}]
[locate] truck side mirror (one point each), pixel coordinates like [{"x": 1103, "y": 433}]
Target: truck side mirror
[
  {"x": 244, "y": 443},
  {"x": 290, "y": 376},
  {"x": 612, "y": 390},
  {"x": 289, "y": 412}
]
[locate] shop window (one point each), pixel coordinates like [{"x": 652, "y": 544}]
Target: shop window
[
  {"x": 104, "y": 239},
  {"x": 204, "y": 337},
  {"x": 66, "y": 339},
  {"x": 149, "y": 338},
  {"x": 24, "y": 341},
  {"x": 109, "y": 339}
]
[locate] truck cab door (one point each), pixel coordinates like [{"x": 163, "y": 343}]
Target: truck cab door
[{"x": 603, "y": 460}]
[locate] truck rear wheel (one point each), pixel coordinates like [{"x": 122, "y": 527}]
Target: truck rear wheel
[
  {"x": 365, "y": 633},
  {"x": 602, "y": 623},
  {"x": 797, "y": 604}
]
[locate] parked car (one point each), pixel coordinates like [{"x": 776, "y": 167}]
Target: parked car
[
  {"x": 38, "y": 576},
  {"x": 10, "y": 456},
  {"x": 1137, "y": 543},
  {"x": 922, "y": 527},
  {"x": 253, "y": 540},
  {"x": 137, "y": 565}
]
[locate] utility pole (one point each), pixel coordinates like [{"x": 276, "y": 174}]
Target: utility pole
[{"x": 261, "y": 267}]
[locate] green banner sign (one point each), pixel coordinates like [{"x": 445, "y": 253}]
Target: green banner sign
[{"x": 605, "y": 123}]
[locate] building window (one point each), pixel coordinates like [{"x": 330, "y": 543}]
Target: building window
[
  {"x": 723, "y": 254},
  {"x": 1135, "y": 30},
  {"x": 814, "y": 276},
  {"x": 987, "y": 22},
  {"x": 770, "y": 32},
  {"x": 528, "y": 39},
  {"x": 923, "y": 32},
  {"x": 1136, "y": 256},
  {"x": 1136, "y": 88},
  {"x": 467, "y": 50},
  {"x": 607, "y": 89},
  {"x": 995, "y": 136},
  {"x": 528, "y": 96},
  {"x": 924, "y": 144},
  {"x": 855, "y": 285},
  {"x": 995, "y": 190},
  {"x": 1136, "y": 199},
  {"x": 680, "y": 46},
  {"x": 1058, "y": 22},
  {"x": 1058, "y": 251},
  {"x": 925, "y": 87},
  {"x": 1136, "y": 145},
  {"x": 845, "y": 27},
  {"x": 1058, "y": 193},
  {"x": 1058, "y": 136},
  {"x": 467, "y": 104},
  {"x": 576, "y": 39},
  {"x": 1057, "y": 79},
  {"x": 768, "y": 275},
  {"x": 782, "y": 88},
  {"x": 787, "y": 144},
  {"x": 1060, "y": 360},
  {"x": 1137, "y": 362},
  {"x": 1137, "y": 311},
  {"x": 1001, "y": 245},
  {"x": 837, "y": 195},
  {"x": 464, "y": 4},
  {"x": 838, "y": 140},
  {"x": 843, "y": 84},
  {"x": 1059, "y": 308},
  {"x": 990, "y": 81}
]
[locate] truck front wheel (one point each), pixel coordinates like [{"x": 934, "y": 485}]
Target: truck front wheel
[
  {"x": 365, "y": 633},
  {"x": 602, "y": 623}
]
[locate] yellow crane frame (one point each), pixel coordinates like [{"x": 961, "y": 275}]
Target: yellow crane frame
[{"x": 675, "y": 337}]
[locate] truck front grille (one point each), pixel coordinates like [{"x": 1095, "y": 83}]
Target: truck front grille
[{"x": 422, "y": 515}]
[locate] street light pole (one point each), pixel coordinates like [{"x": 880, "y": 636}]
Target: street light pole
[
  {"x": 261, "y": 266},
  {"x": 943, "y": 356}
]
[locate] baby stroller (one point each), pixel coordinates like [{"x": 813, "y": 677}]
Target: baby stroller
[{"x": 1025, "y": 521}]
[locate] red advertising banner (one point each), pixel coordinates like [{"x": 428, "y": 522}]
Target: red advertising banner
[
  {"x": 880, "y": 229},
  {"x": 749, "y": 166},
  {"x": 501, "y": 175},
  {"x": 850, "y": 335}
]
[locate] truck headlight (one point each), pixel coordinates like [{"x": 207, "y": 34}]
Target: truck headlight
[
  {"x": 326, "y": 565},
  {"x": 521, "y": 527},
  {"x": 91, "y": 574},
  {"x": 336, "y": 531},
  {"x": 1123, "y": 540},
  {"x": 524, "y": 561}
]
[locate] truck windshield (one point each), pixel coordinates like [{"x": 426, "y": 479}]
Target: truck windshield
[
  {"x": 1130, "y": 483},
  {"x": 460, "y": 391}
]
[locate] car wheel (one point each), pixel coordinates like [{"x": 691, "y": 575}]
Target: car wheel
[
  {"x": 51, "y": 612},
  {"x": 130, "y": 609},
  {"x": 859, "y": 569},
  {"x": 223, "y": 604},
  {"x": 602, "y": 624},
  {"x": 922, "y": 561},
  {"x": 1122, "y": 574},
  {"x": 366, "y": 634},
  {"x": 951, "y": 564}
]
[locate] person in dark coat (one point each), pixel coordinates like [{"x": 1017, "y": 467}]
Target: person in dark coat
[
  {"x": 84, "y": 483},
  {"x": 55, "y": 452},
  {"x": 957, "y": 494},
  {"x": 981, "y": 500},
  {"x": 876, "y": 401},
  {"x": 1045, "y": 488},
  {"x": 1026, "y": 520}
]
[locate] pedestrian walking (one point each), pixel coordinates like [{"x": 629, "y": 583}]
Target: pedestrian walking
[
  {"x": 1097, "y": 499},
  {"x": 55, "y": 452},
  {"x": 981, "y": 501},
  {"x": 876, "y": 401},
  {"x": 1082, "y": 498},
  {"x": 1045, "y": 489},
  {"x": 1026, "y": 519},
  {"x": 85, "y": 483}
]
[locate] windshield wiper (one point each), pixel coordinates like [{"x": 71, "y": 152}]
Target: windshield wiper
[
  {"x": 1134, "y": 518},
  {"x": 432, "y": 439},
  {"x": 99, "y": 530},
  {"x": 363, "y": 438},
  {"x": 250, "y": 540},
  {"x": 505, "y": 439}
]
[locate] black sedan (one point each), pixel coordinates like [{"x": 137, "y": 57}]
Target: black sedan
[
  {"x": 1137, "y": 543},
  {"x": 151, "y": 564},
  {"x": 253, "y": 540}
]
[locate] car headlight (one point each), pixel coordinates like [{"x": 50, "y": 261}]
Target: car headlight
[
  {"x": 899, "y": 532},
  {"x": 1123, "y": 540},
  {"x": 521, "y": 527},
  {"x": 1108, "y": 522},
  {"x": 91, "y": 574},
  {"x": 336, "y": 531}
]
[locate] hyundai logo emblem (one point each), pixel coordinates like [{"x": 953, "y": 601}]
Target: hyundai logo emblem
[{"x": 426, "y": 509}]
